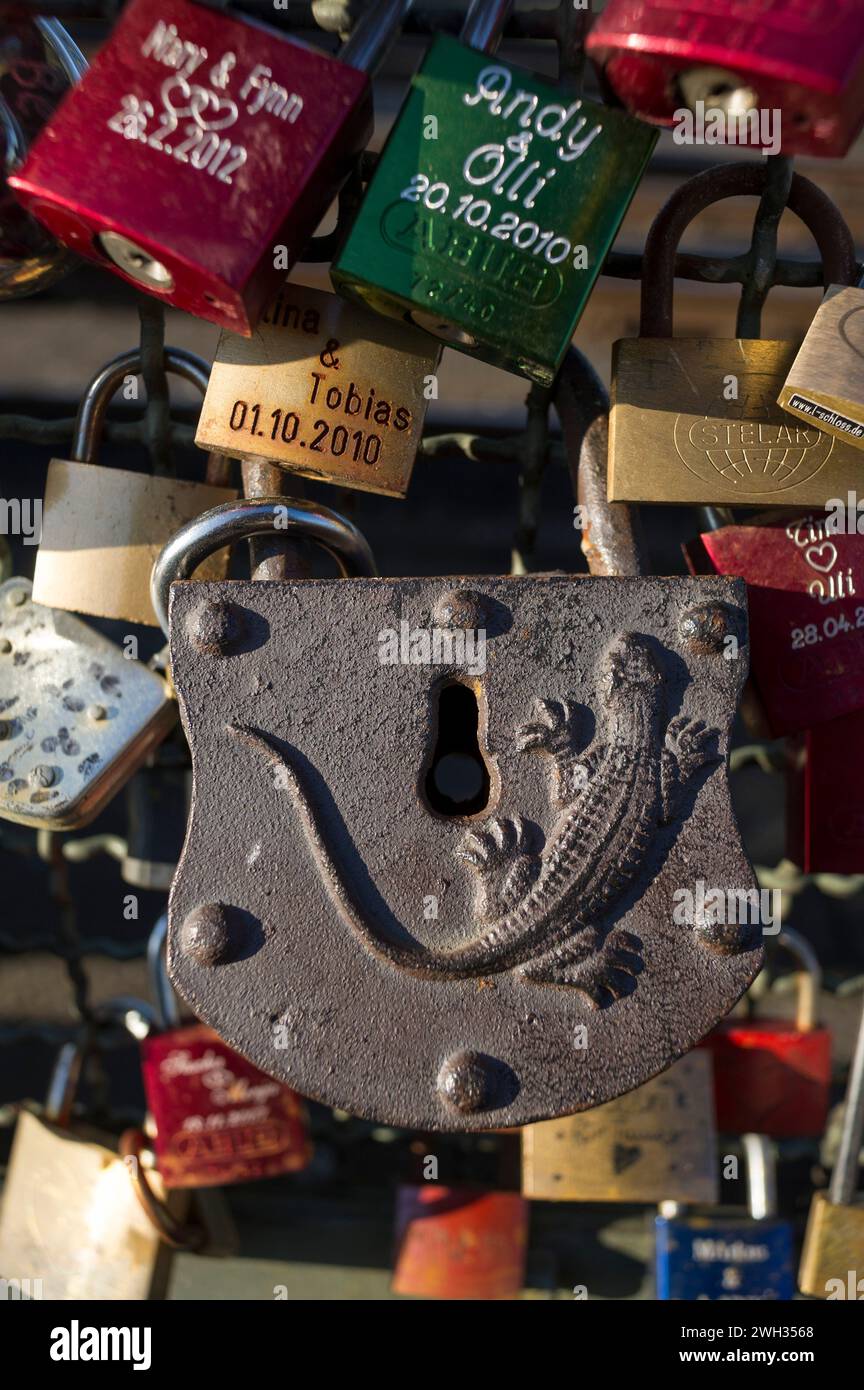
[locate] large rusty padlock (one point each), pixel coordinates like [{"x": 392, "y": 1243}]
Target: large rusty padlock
[{"x": 440, "y": 958}]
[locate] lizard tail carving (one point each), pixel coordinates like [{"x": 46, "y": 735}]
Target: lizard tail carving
[{"x": 541, "y": 912}]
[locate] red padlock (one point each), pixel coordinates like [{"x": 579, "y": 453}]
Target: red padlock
[
  {"x": 218, "y": 1119},
  {"x": 803, "y": 58},
  {"x": 805, "y": 590},
  {"x": 199, "y": 153},
  {"x": 825, "y": 798},
  {"x": 773, "y": 1076},
  {"x": 459, "y": 1242}
]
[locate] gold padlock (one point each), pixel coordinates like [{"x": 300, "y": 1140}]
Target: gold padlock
[
  {"x": 102, "y": 528},
  {"x": 81, "y": 1220},
  {"x": 832, "y": 1260},
  {"x": 325, "y": 389},
  {"x": 825, "y": 385},
  {"x": 654, "y": 1144},
  {"x": 697, "y": 420}
]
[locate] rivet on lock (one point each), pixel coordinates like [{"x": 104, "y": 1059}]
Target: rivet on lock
[
  {"x": 825, "y": 384},
  {"x": 803, "y": 61},
  {"x": 77, "y": 717},
  {"x": 723, "y": 1255},
  {"x": 697, "y": 420},
  {"x": 805, "y": 586},
  {"x": 38, "y": 64},
  {"x": 325, "y": 389},
  {"x": 502, "y": 963},
  {"x": 197, "y": 145},
  {"x": 102, "y": 528},
  {"x": 655, "y": 1144},
  {"x": 773, "y": 1075},
  {"x": 492, "y": 235}
]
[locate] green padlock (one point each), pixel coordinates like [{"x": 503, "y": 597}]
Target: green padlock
[{"x": 494, "y": 204}]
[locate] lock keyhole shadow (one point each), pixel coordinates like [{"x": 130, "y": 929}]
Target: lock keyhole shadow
[{"x": 457, "y": 780}]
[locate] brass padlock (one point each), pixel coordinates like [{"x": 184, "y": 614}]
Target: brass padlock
[
  {"x": 832, "y": 1260},
  {"x": 825, "y": 384},
  {"x": 654, "y": 1144},
  {"x": 79, "y": 1219},
  {"x": 697, "y": 420},
  {"x": 438, "y": 965},
  {"x": 102, "y": 528},
  {"x": 324, "y": 388},
  {"x": 77, "y": 716}
]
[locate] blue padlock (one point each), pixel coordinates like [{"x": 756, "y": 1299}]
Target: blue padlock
[{"x": 725, "y": 1256}]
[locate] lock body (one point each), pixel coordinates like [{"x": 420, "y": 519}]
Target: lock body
[
  {"x": 218, "y": 1119},
  {"x": 653, "y": 1144},
  {"x": 675, "y": 437},
  {"x": 338, "y": 841},
  {"x": 492, "y": 208},
  {"x": 70, "y": 740},
  {"x": 459, "y": 1243},
  {"x": 102, "y": 529},
  {"x": 825, "y": 384},
  {"x": 71, "y": 1220},
  {"x": 804, "y": 590},
  {"x": 770, "y": 1078},
  {"x": 832, "y": 1259},
  {"x": 722, "y": 1257},
  {"x": 38, "y": 64},
  {"x": 325, "y": 389},
  {"x": 805, "y": 62},
  {"x": 824, "y": 811},
  {"x": 195, "y": 147}
]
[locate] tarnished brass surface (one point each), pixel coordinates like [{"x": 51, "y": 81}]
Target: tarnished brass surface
[{"x": 825, "y": 385}]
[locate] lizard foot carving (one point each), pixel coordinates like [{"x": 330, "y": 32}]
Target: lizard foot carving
[
  {"x": 501, "y": 856},
  {"x": 603, "y": 972},
  {"x": 553, "y": 731}
]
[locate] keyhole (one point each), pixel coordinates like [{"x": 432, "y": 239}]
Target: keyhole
[{"x": 457, "y": 781}]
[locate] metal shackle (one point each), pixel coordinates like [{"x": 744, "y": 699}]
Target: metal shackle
[
  {"x": 760, "y": 1157},
  {"x": 136, "y": 1016},
  {"x": 367, "y": 45},
  {"x": 808, "y": 977},
  {"x": 816, "y": 210},
  {"x": 611, "y": 540},
  {"x": 97, "y": 396},
  {"x": 483, "y": 24},
  {"x": 166, "y": 1002},
  {"x": 253, "y": 516}
]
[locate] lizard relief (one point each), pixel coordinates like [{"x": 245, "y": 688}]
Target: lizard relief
[{"x": 542, "y": 912}]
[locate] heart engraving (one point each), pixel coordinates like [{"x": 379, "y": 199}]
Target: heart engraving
[{"x": 825, "y": 548}]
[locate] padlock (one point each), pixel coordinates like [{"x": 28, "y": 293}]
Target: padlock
[
  {"x": 38, "y": 64},
  {"x": 723, "y": 1256},
  {"x": 459, "y": 1242},
  {"x": 826, "y": 381},
  {"x": 102, "y": 528},
  {"x": 825, "y": 797},
  {"x": 773, "y": 1075},
  {"x": 441, "y": 968},
  {"x": 805, "y": 591},
  {"x": 364, "y": 377},
  {"x": 217, "y": 1118},
  {"x": 493, "y": 204},
  {"x": 200, "y": 151},
  {"x": 77, "y": 716},
  {"x": 697, "y": 420},
  {"x": 654, "y": 1144},
  {"x": 741, "y": 58},
  {"x": 832, "y": 1260},
  {"x": 74, "y": 1223}
]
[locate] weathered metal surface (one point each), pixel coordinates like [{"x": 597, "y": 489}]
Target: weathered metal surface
[
  {"x": 76, "y": 717},
  {"x": 434, "y": 971}
]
